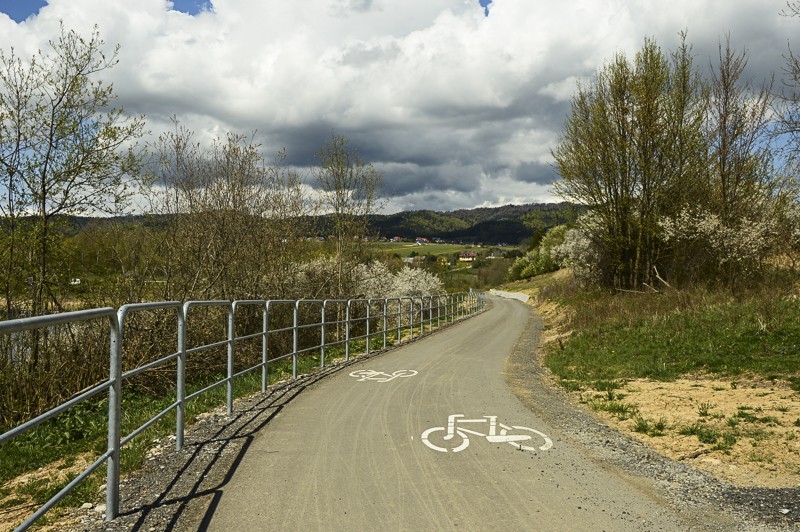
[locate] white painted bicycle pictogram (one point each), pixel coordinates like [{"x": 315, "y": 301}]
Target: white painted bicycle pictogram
[
  {"x": 379, "y": 376},
  {"x": 455, "y": 437}
]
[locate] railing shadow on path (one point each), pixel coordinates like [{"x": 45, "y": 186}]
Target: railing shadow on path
[{"x": 181, "y": 490}]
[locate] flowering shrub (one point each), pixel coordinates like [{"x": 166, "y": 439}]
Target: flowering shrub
[
  {"x": 580, "y": 250},
  {"x": 376, "y": 280},
  {"x": 736, "y": 248}
]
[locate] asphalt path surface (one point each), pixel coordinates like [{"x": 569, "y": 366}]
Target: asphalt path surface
[{"x": 348, "y": 453}]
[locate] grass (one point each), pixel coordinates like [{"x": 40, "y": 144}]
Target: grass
[{"x": 664, "y": 336}]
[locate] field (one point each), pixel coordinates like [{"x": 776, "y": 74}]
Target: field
[{"x": 404, "y": 249}]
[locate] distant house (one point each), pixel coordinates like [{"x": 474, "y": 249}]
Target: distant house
[
  {"x": 467, "y": 256},
  {"x": 496, "y": 255}
]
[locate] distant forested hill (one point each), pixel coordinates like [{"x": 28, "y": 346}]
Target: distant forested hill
[
  {"x": 510, "y": 224},
  {"x": 487, "y": 225}
]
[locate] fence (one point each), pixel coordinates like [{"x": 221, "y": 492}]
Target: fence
[{"x": 336, "y": 324}]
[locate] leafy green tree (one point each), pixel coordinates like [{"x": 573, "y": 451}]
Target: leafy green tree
[
  {"x": 629, "y": 149},
  {"x": 64, "y": 149}
]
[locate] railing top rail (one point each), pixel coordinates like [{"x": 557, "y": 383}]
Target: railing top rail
[
  {"x": 133, "y": 307},
  {"x": 249, "y": 302},
  {"x": 209, "y": 303},
  {"x": 271, "y": 301},
  {"x": 36, "y": 322}
]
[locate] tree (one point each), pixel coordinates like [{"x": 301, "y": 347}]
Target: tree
[
  {"x": 236, "y": 225},
  {"x": 628, "y": 151},
  {"x": 349, "y": 189},
  {"x": 64, "y": 149}
]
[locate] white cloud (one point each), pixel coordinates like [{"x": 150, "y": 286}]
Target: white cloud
[{"x": 457, "y": 108}]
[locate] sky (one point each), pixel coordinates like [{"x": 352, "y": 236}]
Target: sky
[{"x": 458, "y": 103}]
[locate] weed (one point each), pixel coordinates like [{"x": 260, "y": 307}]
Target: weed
[
  {"x": 621, "y": 410},
  {"x": 605, "y": 386},
  {"x": 641, "y": 425},
  {"x": 659, "y": 427},
  {"x": 704, "y": 433},
  {"x": 726, "y": 443},
  {"x": 796, "y": 422},
  {"x": 782, "y": 409},
  {"x": 794, "y": 383},
  {"x": 704, "y": 409}
]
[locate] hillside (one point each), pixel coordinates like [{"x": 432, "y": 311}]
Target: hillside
[
  {"x": 509, "y": 224},
  {"x": 487, "y": 225}
]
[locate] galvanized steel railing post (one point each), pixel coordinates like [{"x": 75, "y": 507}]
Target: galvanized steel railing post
[
  {"x": 295, "y": 338},
  {"x": 385, "y": 320},
  {"x": 114, "y": 419},
  {"x": 347, "y": 332},
  {"x": 399, "y": 320},
  {"x": 369, "y": 307},
  {"x": 264, "y": 348},
  {"x": 231, "y": 339},
  {"x": 265, "y": 372},
  {"x": 411, "y": 317},
  {"x": 180, "y": 379},
  {"x": 322, "y": 336}
]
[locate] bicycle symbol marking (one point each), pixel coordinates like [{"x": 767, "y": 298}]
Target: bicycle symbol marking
[
  {"x": 379, "y": 376},
  {"x": 455, "y": 437}
]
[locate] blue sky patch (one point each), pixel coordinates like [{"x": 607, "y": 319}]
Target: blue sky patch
[
  {"x": 485, "y": 5},
  {"x": 20, "y": 10}
]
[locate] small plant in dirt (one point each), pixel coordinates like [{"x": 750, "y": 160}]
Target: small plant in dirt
[
  {"x": 651, "y": 428},
  {"x": 797, "y": 422},
  {"x": 621, "y": 410},
  {"x": 704, "y": 433},
  {"x": 726, "y": 442},
  {"x": 704, "y": 409}
]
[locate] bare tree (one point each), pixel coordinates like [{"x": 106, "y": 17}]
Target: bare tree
[
  {"x": 64, "y": 149},
  {"x": 350, "y": 194}
]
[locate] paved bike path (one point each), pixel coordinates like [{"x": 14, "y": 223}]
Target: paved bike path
[{"x": 347, "y": 454}]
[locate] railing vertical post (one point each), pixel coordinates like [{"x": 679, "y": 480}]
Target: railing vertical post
[
  {"x": 411, "y": 317},
  {"x": 369, "y": 306},
  {"x": 265, "y": 351},
  {"x": 295, "y": 338},
  {"x": 385, "y": 320},
  {"x": 399, "y": 320},
  {"x": 430, "y": 314},
  {"x": 322, "y": 336},
  {"x": 114, "y": 418},
  {"x": 180, "y": 384},
  {"x": 347, "y": 332},
  {"x": 231, "y": 337}
]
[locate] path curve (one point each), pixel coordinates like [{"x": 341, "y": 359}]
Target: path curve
[{"x": 347, "y": 454}]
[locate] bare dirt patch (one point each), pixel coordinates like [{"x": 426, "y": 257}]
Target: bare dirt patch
[{"x": 744, "y": 431}]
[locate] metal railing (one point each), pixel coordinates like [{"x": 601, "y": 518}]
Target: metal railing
[{"x": 347, "y": 323}]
